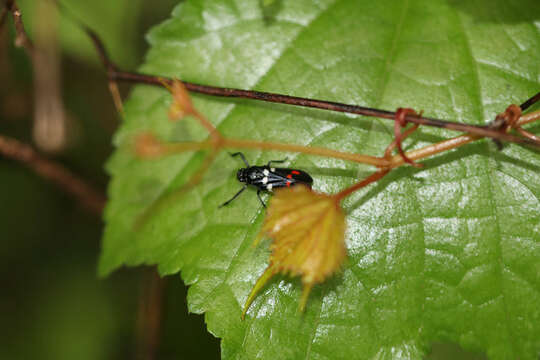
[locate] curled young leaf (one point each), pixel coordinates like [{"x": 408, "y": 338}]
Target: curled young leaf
[
  {"x": 308, "y": 232},
  {"x": 181, "y": 105},
  {"x": 147, "y": 146}
]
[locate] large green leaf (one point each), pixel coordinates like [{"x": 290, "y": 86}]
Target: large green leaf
[{"x": 447, "y": 253}]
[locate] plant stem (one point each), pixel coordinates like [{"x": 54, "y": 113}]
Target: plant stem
[
  {"x": 528, "y": 118},
  {"x": 90, "y": 198},
  {"x": 150, "y": 314},
  {"x": 114, "y": 73},
  {"x": 430, "y": 150},
  {"x": 319, "y": 151},
  {"x": 321, "y": 104},
  {"x": 529, "y": 102},
  {"x": 175, "y": 148},
  {"x": 368, "y": 180}
]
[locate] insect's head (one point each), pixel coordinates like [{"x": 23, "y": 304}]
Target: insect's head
[{"x": 241, "y": 175}]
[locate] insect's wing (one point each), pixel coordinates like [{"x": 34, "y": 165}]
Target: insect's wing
[
  {"x": 277, "y": 179},
  {"x": 295, "y": 176}
]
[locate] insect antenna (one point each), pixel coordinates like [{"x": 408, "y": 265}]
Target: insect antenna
[{"x": 242, "y": 156}]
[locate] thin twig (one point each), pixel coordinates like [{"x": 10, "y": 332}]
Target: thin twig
[
  {"x": 528, "y": 118},
  {"x": 89, "y": 197},
  {"x": 104, "y": 57},
  {"x": 176, "y": 148},
  {"x": 483, "y": 131},
  {"x": 102, "y": 53},
  {"x": 116, "y": 74},
  {"x": 534, "y": 99},
  {"x": 150, "y": 315},
  {"x": 527, "y": 134},
  {"x": 376, "y": 176},
  {"x": 21, "y": 39}
]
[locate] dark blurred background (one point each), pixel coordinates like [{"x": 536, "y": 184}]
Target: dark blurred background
[{"x": 52, "y": 305}]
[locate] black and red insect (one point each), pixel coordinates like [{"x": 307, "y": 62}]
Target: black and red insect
[{"x": 268, "y": 177}]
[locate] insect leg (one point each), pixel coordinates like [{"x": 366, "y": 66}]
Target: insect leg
[
  {"x": 242, "y": 156},
  {"x": 276, "y": 161},
  {"x": 260, "y": 199},
  {"x": 234, "y": 197}
]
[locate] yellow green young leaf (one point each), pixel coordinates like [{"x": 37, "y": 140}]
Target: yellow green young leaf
[{"x": 308, "y": 233}]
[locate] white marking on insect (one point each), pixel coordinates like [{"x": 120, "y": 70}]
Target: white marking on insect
[
  {"x": 265, "y": 180},
  {"x": 269, "y": 187},
  {"x": 266, "y": 172},
  {"x": 273, "y": 169}
]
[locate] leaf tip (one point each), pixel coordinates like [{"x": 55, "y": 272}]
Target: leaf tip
[{"x": 265, "y": 277}]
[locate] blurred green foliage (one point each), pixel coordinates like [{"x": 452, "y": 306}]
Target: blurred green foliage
[
  {"x": 116, "y": 22},
  {"x": 52, "y": 304}
]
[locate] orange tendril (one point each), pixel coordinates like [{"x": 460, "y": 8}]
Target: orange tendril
[{"x": 401, "y": 122}]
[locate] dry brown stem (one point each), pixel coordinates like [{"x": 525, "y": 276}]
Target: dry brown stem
[{"x": 90, "y": 198}]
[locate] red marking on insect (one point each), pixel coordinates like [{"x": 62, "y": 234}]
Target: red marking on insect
[
  {"x": 288, "y": 183},
  {"x": 289, "y": 176},
  {"x": 295, "y": 172}
]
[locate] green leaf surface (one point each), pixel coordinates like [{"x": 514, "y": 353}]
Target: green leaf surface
[{"x": 447, "y": 253}]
